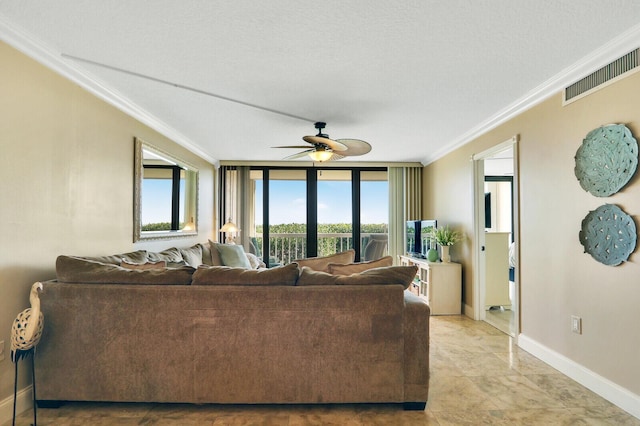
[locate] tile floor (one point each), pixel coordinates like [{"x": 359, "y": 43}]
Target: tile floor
[{"x": 477, "y": 377}]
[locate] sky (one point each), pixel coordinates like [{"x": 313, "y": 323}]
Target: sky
[
  {"x": 156, "y": 200},
  {"x": 288, "y": 202}
]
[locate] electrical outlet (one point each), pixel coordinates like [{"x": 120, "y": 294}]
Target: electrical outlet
[
  {"x": 2, "y": 350},
  {"x": 576, "y": 324}
]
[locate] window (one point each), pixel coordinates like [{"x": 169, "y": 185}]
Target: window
[
  {"x": 164, "y": 192},
  {"x": 305, "y": 212}
]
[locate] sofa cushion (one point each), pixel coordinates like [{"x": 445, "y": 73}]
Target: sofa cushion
[
  {"x": 160, "y": 264},
  {"x": 192, "y": 255},
  {"x": 402, "y": 275},
  {"x": 227, "y": 275},
  {"x": 322, "y": 263},
  {"x": 71, "y": 269},
  {"x": 352, "y": 268},
  {"x": 139, "y": 256}
]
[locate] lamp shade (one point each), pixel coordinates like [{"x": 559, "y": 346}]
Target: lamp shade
[
  {"x": 229, "y": 227},
  {"x": 320, "y": 155}
]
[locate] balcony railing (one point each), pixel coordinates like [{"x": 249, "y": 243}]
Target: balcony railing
[{"x": 285, "y": 248}]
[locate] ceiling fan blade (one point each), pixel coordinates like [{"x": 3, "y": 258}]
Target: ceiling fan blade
[
  {"x": 354, "y": 147},
  {"x": 320, "y": 140},
  {"x": 298, "y": 155},
  {"x": 293, "y": 146}
]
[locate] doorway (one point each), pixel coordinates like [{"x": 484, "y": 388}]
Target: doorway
[{"x": 496, "y": 220}]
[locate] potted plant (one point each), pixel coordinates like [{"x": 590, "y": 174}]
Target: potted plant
[{"x": 446, "y": 237}]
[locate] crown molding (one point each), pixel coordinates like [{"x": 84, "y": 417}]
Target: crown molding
[
  {"x": 51, "y": 59},
  {"x": 617, "y": 47}
]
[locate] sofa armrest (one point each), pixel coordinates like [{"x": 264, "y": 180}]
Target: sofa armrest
[{"x": 416, "y": 348}]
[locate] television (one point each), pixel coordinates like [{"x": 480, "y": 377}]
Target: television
[
  {"x": 426, "y": 242},
  {"x": 418, "y": 237},
  {"x": 412, "y": 238}
]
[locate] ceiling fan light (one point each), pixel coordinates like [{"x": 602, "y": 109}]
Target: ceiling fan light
[{"x": 320, "y": 155}]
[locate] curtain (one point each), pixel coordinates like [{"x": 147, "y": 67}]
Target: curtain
[
  {"x": 405, "y": 203},
  {"x": 413, "y": 193},
  {"x": 396, "y": 213},
  {"x": 246, "y": 207}
]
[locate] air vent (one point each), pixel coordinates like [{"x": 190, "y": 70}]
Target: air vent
[{"x": 605, "y": 75}]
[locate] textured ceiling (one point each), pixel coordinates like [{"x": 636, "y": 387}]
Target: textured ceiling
[{"x": 413, "y": 78}]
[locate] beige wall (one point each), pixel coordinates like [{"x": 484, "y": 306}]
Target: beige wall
[
  {"x": 557, "y": 279},
  {"x": 66, "y": 165}
]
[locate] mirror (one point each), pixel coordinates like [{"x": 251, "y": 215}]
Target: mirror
[{"x": 165, "y": 195}]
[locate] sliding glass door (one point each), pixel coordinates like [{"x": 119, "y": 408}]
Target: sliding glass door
[{"x": 310, "y": 212}]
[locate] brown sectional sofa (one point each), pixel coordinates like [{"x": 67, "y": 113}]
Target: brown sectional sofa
[{"x": 231, "y": 336}]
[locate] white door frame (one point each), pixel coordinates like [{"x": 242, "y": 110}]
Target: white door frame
[{"x": 479, "y": 230}]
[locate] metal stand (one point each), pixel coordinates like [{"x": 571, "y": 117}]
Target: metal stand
[{"x": 24, "y": 354}]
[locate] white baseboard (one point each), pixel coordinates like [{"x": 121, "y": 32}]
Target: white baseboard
[
  {"x": 24, "y": 403},
  {"x": 610, "y": 391},
  {"x": 469, "y": 311}
]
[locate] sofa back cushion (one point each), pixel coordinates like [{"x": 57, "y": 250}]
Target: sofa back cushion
[
  {"x": 71, "y": 269},
  {"x": 353, "y": 268},
  {"x": 226, "y": 275},
  {"x": 160, "y": 264},
  {"x": 322, "y": 263},
  {"x": 139, "y": 256},
  {"x": 402, "y": 275}
]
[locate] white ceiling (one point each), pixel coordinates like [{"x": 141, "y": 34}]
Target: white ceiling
[{"x": 413, "y": 78}]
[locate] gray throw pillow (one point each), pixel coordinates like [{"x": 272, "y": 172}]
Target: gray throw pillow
[{"x": 192, "y": 255}]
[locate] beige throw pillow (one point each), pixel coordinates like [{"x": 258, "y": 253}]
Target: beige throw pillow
[
  {"x": 226, "y": 275},
  {"x": 216, "y": 260},
  {"x": 322, "y": 263},
  {"x": 352, "y": 268}
]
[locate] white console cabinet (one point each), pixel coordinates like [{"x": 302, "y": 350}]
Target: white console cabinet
[{"x": 439, "y": 283}]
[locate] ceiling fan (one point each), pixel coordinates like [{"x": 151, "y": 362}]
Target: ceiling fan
[{"x": 327, "y": 149}]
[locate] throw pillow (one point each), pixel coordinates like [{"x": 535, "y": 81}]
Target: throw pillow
[
  {"x": 215, "y": 254},
  {"x": 226, "y": 275},
  {"x": 352, "y": 268},
  {"x": 233, "y": 255},
  {"x": 206, "y": 253},
  {"x": 402, "y": 275},
  {"x": 160, "y": 264},
  {"x": 322, "y": 263},
  {"x": 255, "y": 261},
  {"x": 192, "y": 255}
]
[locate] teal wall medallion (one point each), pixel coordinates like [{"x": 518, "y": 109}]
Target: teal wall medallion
[
  {"x": 606, "y": 160},
  {"x": 608, "y": 234}
]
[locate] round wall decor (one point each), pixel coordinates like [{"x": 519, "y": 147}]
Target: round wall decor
[
  {"x": 606, "y": 160},
  {"x": 608, "y": 234}
]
